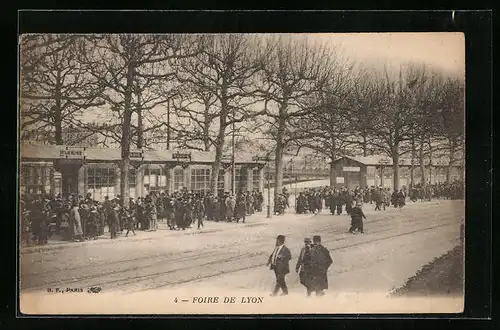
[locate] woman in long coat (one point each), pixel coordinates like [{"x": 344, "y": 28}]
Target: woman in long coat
[
  {"x": 76, "y": 222},
  {"x": 230, "y": 204},
  {"x": 250, "y": 204},
  {"x": 240, "y": 208},
  {"x": 113, "y": 220}
]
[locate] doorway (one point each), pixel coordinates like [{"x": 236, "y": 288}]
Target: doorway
[{"x": 69, "y": 179}]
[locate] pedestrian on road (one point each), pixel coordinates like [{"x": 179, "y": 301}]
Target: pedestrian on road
[
  {"x": 114, "y": 219},
  {"x": 303, "y": 267},
  {"x": 320, "y": 262},
  {"x": 130, "y": 223},
  {"x": 357, "y": 217},
  {"x": 279, "y": 262},
  {"x": 76, "y": 222}
]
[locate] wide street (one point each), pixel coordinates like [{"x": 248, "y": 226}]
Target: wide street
[{"x": 230, "y": 258}]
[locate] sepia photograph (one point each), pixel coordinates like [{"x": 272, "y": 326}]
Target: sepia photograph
[{"x": 297, "y": 173}]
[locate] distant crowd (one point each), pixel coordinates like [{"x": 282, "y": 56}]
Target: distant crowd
[
  {"x": 77, "y": 218},
  {"x": 340, "y": 200}
]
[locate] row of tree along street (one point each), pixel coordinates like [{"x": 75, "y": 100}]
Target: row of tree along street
[{"x": 200, "y": 90}]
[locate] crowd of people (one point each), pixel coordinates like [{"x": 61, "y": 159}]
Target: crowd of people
[
  {"x": 338, "y": 200},
  {"x": 77, "y": 218},
  {"x": 454, "y": 190}
]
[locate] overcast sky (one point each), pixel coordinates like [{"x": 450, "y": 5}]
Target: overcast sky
[{"x": 445, "y": 50}]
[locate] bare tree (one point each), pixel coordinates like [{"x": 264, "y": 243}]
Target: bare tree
[
  {"x": 293, "y": 77},
  {"x": 452, "y": 112},
  {"x": 425, "y": 85},
  {"x": 327, "y": 130},
  {"x": 128, "y": 66},
  {"x": 55, "y": 85},
  {"x": 392, "y": 124},
  {"x": 365, "y": 100},
  {"x": 219, "y": 93}
]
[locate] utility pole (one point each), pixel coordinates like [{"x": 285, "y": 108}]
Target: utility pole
[{"x": 267, "y": 160}]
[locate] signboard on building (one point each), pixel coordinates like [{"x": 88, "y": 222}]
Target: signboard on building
[
  {"x": 72, "y": 153},
  {"x": 339, "y": 179},
  {"x": 351, "y": 169},
  {"x": 181, "y": 156},
  {"x": 136, "y": 155}
]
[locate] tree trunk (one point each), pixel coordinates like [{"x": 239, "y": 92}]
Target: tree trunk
[
  {"x": 206, "y": 128},
  {"x": 278, "y": 161},
  {"x": 423, "y": 181},
  {"x": 365, "y": 145},
  {"x": 219, "y": 147},
  {"x": 168, "y": 124},
  {"x": 452, "y": 147},
  {"x": 395, "y": 167},
  {"x": 333, "y": 175},
  {"x": 333, "y": 155},
  {"x": 57, "y": 110},
  {"x": 214, "y": 176},
  {"x": 125, "y": 140},
  {"x": 140, "y": 133},
  {"x": 412, "y": 168},
  {"x": 58, "y": 123}
]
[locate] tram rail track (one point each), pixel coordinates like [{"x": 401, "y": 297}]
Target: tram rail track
[{"x": 221, "y": 259}]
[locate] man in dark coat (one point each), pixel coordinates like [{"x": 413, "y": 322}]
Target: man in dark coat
[
  {"x": 114, "y": 219},
  {"x": 301, "y": 203},
  {"x": 303, "y": 267},
  {"x": 357, "y": 217},
  {"x": 320, "y": 262},
  {"x": 339, "y": 197},
  {"x": 240, "y": 208},
  {"x": 278, "y": 260}
]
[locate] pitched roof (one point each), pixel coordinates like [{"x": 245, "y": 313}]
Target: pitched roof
[
  {"x": 377, "y": 160},
  {"x": 53, "y": 152}
]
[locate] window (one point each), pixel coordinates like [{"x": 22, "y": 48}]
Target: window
[
  {"x": 156, "y": 179},
  {"x": 220, "y": 181},
  {"x": 241, "y": 179},
  {"x": 200, "y": 179},
  {"x": 256, "y": 179},
  {"x": 101, "y": 182},
  {"x": 35, "y": 179},
  {"x": 178, "y": 178},
  {"x": 131, "y": 182}
]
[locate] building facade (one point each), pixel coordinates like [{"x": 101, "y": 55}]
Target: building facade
[
  {"x": 79, "y": 170},
  {"x": 377, "y": 170}
]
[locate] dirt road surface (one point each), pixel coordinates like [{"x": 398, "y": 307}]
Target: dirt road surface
[{"x": 156, "y": 272}]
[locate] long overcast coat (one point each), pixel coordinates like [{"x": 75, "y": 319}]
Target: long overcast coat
[
  {"x": 76, "y": 221},
  {"x": 320, "y": 262}
]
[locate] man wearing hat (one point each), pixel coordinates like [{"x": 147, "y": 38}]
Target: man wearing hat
[
  {"x": 303, "y": 267},
  {"x": 320, "y": 262},
  {"x": 278, "y": 260},
  {"x": 113, "y": 219}
]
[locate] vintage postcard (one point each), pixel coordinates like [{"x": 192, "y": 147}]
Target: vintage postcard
[{"x": 241, "y": 173}]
